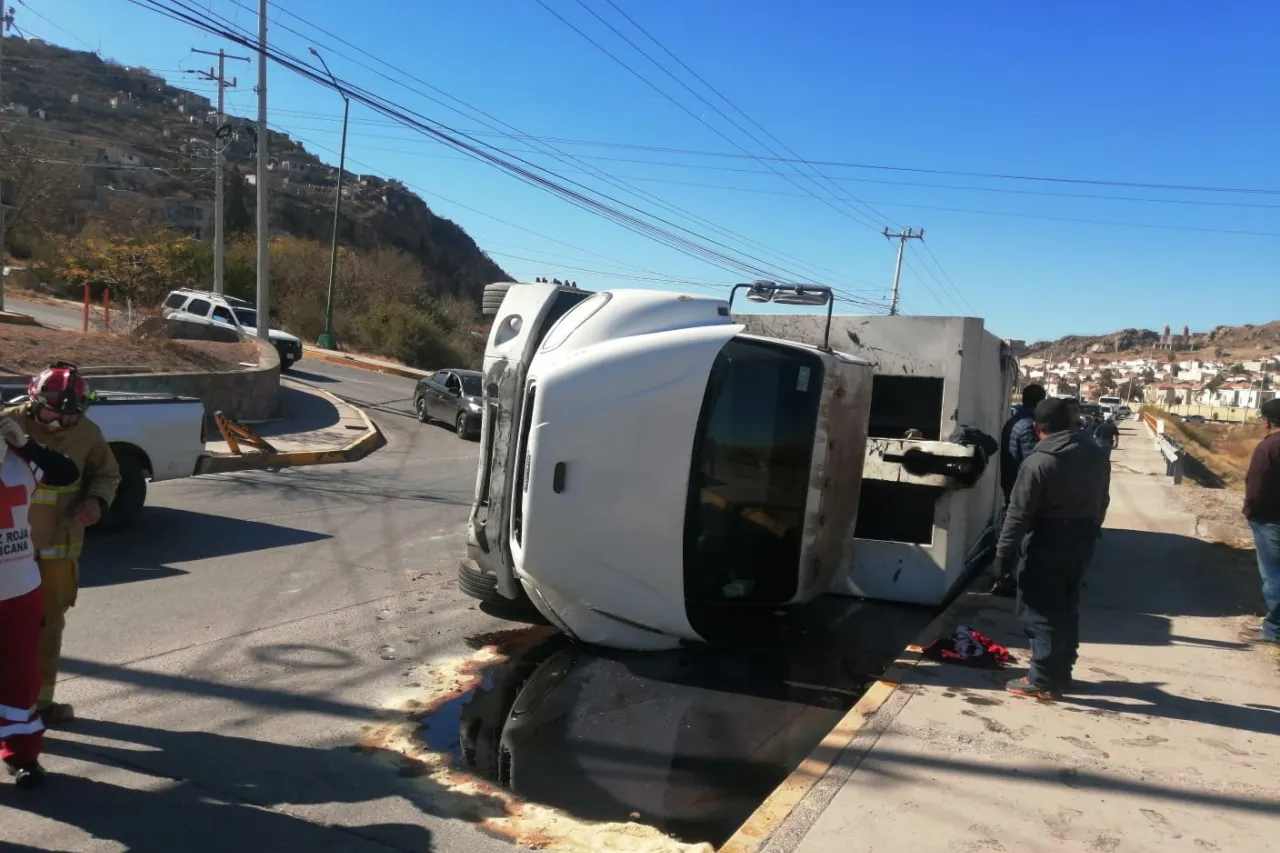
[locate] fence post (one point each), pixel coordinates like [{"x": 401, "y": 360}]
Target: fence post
[
  {"x": 1177, "y": 470},
  {"x": 106, "y": 309},
  {"x": 85, "y": 326}
]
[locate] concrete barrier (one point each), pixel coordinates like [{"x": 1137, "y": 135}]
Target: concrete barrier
[{"x": 249, "y": 394}]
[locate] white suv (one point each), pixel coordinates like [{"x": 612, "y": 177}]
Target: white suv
[{"x": 203, "y": 306}]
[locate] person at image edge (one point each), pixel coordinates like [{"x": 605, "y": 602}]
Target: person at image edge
[
  {"x": 54, "y": 412},
  {"x": 25, "y": 469}
]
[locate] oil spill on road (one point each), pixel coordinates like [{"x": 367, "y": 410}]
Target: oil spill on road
[{"x": 591, "y": 748}]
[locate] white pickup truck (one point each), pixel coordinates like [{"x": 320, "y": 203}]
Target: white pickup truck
[{"x": 155, "y": 437}]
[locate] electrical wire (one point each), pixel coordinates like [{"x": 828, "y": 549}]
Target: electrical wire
[
  {"x": 850, "y": 213},
  {"x": 470, "y": 111},
  {"x": 626, "y": 215}
]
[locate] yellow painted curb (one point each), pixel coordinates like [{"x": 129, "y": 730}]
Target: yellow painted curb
[
  {"x": 12, "y": 319},
  {"x": 360, "y": 364},
  {"x": 369, "y": 441},
  {"x": 770, "y": 814}
]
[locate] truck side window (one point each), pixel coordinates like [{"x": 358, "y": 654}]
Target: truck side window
[
  {"x": 222, "y": 315},
  {"x": 175, "y": 301},
  {"x": 199, "y": 307}
]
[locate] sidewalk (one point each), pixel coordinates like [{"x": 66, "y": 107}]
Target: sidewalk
[
  {"x": 315, "y": 428},
  {"x": 363, "y": 362},
  {"x": 1172, "y": 745}
]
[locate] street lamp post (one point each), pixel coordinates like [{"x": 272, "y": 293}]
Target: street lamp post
[{"x": 327, "y": 340}]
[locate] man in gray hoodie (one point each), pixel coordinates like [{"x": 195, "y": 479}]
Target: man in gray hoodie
[{"x": 1059, "y": 502}]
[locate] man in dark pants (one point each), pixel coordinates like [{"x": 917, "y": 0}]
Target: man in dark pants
[
  {"x": 1058, "y": 503},
  {"x": 1017, "y": 439}
]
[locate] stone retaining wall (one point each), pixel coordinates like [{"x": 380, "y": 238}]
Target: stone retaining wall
[{"x": 251, "y": 394}]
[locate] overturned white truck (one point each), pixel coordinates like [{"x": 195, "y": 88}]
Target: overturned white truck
[{"x": 648, "y": 454}]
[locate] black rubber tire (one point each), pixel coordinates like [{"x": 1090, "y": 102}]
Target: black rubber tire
[
  {"x": 464, "y": 432},
  {"x": 421, "y": 408},
  {"x": 484, "y": 587},
  {"x": 131, "y": 495},
  {"x": 480, "y": 585},
  {"x": 493, "y": 296}
]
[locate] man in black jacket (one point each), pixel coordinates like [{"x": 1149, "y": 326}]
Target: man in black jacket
[
  {"x": 1058, "y": 503},
  {"x": 1017, "y": 439}
]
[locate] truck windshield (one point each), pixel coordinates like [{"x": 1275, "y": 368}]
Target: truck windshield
[{"x": 750, "y": 474}]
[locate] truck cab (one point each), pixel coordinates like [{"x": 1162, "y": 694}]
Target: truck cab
[{"x": 644, "y": 457}]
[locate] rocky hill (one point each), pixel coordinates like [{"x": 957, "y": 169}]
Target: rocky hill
[
  {"x": 125, "y": 130},
  {"x": 1239, "y": 342}
]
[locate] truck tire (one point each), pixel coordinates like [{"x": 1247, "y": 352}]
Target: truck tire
[
  {"x": 493, "y": 296},
  {"x": 483, "y": 586},
  {"x": 131, "y": 495}
]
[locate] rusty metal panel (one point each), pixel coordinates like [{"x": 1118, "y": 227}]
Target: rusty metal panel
[{"x": 840, "y": 446}]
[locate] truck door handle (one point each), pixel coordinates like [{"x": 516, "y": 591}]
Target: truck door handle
[{"x": 557, "y": 478}]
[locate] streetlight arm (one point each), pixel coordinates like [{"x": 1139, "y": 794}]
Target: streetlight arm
[{"x": 332, "y": 78}]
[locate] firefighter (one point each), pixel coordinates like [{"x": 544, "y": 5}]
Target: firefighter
[{"x": 54, "y": 414}]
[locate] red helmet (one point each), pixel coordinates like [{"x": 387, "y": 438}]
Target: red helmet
[{"x": 61, "y": 389}]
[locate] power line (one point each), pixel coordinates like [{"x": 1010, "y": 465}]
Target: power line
[
  {"x": 640, "y": 222},
  {"x": 655, "y": 276},
  {"x": 493, "y": 122},
  {"x": 838, "y": 178},
  {"x": 762, "y": 160},
  {"x": 732, "y": 105}
]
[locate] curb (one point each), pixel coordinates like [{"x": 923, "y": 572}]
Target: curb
[
  {"x": 370, "y": 440},
  {"x": 361, "y": 364},
  {"x": 756, "y": 831},
  {"x": 11, "y": 319}
]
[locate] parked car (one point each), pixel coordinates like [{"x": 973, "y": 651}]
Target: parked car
[
  {"x": 1123, "y": 412},
  {"x": 203, "y": 306},
  {"x": 154, "y": 437},
  {"x": 1194, "y": 419},
  {"x": 454, "y": 397}
]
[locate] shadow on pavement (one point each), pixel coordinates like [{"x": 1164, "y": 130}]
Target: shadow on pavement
[
  {"x": 308, "y": 376},
  {"x": 164, "y": 536},
  {"x": 1145, "y": 573},
  {"x": 241, "y": 801},
  {"x": 302, "y": 412}
]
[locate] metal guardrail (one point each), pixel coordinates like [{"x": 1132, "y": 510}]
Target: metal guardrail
[{"x": 1174, "y": 455}]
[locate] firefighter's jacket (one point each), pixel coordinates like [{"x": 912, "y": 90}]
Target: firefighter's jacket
[{"x": 54, "y": 529}]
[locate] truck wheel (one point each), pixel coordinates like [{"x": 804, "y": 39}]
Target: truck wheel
[
  {"x": 493, "y": 296},
  {"x": 483, "y": 586},
  {"x": 131, "y": 495}
]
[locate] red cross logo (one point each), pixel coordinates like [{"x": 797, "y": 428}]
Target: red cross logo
[{"x": 11, "y": 497}]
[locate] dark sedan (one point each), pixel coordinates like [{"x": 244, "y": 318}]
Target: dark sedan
[{"x": 453, "y": 397}]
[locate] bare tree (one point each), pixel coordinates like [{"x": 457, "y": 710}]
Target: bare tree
[{"x": 42, "y": 183}]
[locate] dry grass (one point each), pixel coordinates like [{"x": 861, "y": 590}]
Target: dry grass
[
  {"x": 25, "y": 350},
  {"x": 1225, "y": 449}
]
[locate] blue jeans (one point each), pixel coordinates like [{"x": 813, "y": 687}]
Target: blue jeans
[{"x": 1266, "y": 538}]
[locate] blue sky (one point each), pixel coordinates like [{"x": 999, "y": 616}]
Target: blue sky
[{"x": 1175, "y": 93}]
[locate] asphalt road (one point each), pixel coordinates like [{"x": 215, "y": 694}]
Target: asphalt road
[
  {"x": 224, "y": 654},
  {"x": 227, "y": 655}
]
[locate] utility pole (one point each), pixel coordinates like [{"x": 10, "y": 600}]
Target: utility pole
[
  {"x": 327, "y": 340},
  {"x": 219, "y": 238},
  {"x": 902, "y": 237},
  {"x": 6, "y": 21},
  {"x": 264, "y": 280}
]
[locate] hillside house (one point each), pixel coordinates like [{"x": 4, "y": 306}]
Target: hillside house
[{"x": 194, "y": 217}]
